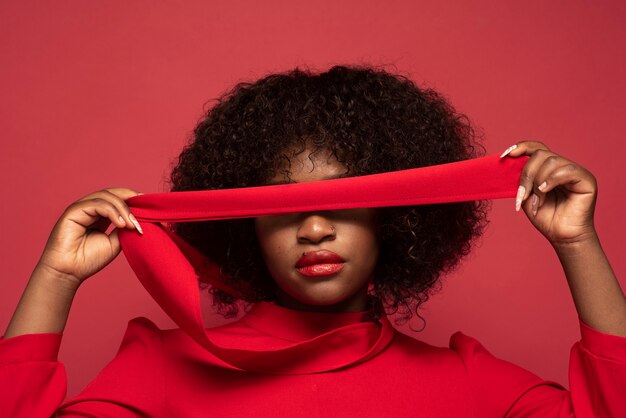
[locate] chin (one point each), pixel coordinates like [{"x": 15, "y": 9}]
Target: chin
[{"x": 331, "y": 300}]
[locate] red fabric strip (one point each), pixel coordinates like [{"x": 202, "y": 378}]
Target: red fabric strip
[
  {"x": 169, "y": 268},
  {"x": 476, "y": 179}
]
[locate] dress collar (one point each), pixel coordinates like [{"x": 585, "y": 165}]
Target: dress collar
[{"x": 287, "y": 341}]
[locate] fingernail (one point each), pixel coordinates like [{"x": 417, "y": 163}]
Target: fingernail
[
  {"x": 521, "y": 190},
  {"x": 543, "y": 186},
  {"x": 534, "y": 204},
  {"x": 509, "y": 149},
  {"x": 134, "y": 221}
]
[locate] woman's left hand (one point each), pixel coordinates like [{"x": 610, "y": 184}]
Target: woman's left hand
[{"x": 558, "y": 195}]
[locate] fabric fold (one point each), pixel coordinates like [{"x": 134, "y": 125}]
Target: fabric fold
[{"x": 169, "y": 267}]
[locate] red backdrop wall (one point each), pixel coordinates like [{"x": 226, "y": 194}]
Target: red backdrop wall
[{"x": 104, "y": 94}]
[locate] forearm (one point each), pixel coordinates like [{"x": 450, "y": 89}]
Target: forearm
[
  {"x": 44, "y": 306},
  {"x": 597, "y": 294}
]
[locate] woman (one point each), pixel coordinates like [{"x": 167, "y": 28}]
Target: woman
[{"x": 298, "y": 128}]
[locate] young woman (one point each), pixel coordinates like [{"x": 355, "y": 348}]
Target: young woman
[{"x": 314, "y": 339}]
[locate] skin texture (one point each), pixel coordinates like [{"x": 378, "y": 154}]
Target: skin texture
[{"x": 350, "y": 233}]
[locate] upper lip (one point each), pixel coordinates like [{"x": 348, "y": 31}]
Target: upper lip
[{"x": 317, "y": 257}]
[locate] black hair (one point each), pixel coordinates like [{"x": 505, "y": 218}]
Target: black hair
[{"x": 373, "y": 121}]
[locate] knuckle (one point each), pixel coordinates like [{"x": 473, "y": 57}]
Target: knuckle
[
  {"x": 105, "y": 203},
  {"x": 71, "y": 207}
]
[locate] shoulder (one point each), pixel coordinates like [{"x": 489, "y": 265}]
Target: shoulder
[
  {"x": 142, "y": 326},
  {"x": 466, "y": 354},
  {"x": 467, "y": 346},
  {"x": 481, "y": 364},
  {"x": 411, "y": 344},
  {"x": 494, "y": 383},
  {"x": 143, "y": 331},
  {"x": 464, "y": 348},
  {"x": 147, "y": 342},
  {"x": 414, "y": 352},
  {"x": 141, "y": 336}
]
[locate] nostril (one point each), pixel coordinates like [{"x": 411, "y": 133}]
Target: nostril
[{"x": 316, "y": 235}]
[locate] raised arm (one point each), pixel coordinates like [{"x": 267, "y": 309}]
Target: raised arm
[
  {"x": 32, "y": 380},
  {"x": 559, "y": 197}
]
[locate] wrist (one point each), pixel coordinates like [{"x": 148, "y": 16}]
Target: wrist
[
  {"x": 54, "y": 280},
  {"x": 582, "y": 244},
  {"x": 45, "y": 304}
]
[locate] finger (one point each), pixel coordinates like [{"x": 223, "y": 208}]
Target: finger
[
  {"x": 120, "y": 192},
  {"x": 98, "y": 211},
  {"x": 123, "y": 193},
  {"x": 528, "y": 174},
  {"x": 524, "y": 148},
  {"x": 115, "y": 242},
  {"x": 572, "y": 177},
  {"x": 101, "y": 224},
  {"x": 531, "y": 204},
  {"x": 550, "y": 165},
  {"x": 117, "y": 197}
]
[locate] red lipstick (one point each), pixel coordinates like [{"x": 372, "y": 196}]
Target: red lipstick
[{"x": 320, "y": 263}]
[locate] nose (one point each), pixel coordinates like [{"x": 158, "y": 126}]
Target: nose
[{"x": 316, "y": 227}]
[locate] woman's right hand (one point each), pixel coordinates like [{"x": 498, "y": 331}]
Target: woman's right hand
[{"x": 78, "y": 246}]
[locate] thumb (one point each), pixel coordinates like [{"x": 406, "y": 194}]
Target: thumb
[{"x": 115, "y": 242}]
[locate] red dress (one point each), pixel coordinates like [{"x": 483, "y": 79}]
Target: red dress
[
  {"x": 276, "y": 361},
  {"x": 164, "y": 373}
]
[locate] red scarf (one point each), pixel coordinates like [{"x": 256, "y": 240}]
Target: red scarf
[{"x": 169, "y": 267}]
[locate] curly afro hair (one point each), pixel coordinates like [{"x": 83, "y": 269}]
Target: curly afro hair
[{"x": 373, "y": 121}]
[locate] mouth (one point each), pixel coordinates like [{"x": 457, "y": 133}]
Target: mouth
[
  {"x": 322, "y": 269},
  {"x": 320, "y": 263}
]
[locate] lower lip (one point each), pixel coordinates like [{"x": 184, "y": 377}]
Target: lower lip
[{"x": 321, "y": 269}]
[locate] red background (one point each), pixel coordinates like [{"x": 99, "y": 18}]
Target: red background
[{"x": 104, "y": 94}]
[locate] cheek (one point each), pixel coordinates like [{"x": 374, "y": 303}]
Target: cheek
[
  {"x": 368, "y": 230},
  {"x": 261, "y": 235},
  {"x": 370, "y": 243},
  {"x": 269, "y": 239}
]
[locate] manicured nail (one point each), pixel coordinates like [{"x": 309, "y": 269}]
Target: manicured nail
[
  {"x": 520, "y": 195},
  {"x": 509, "y": 149},
  {"x": 535, "y": 199},
  {"x": 134, "y": 221},
  {"x": 543, "y": 186}
]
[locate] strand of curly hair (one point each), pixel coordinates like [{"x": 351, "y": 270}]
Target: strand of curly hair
[{"x": 372, "y": 121}]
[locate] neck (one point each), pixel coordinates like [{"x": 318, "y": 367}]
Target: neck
[{"x": 356, "y": 303}]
